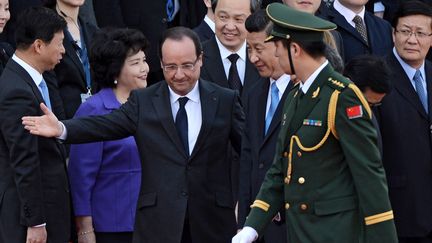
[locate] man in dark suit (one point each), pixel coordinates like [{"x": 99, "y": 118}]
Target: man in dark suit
[
  {"x": 151, "y": 17},
  {"x": 206, "y": 30},
  {"x": 230, "y": 42},
  {"x": 34, "y": 192},
  {"x": 361, "y": 31},
  {"x": 263, "y": 115},
  {"x": 181, "y": 127},
  {"x": 405, "y": 119}
]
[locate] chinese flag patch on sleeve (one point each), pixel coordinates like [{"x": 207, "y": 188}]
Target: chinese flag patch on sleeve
[{"x": 354, "y": 112}]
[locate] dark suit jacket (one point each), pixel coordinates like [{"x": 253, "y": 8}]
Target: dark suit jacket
[
  {"x": 379, "y": 34},
  {"x": 70, "y": 72},
  {"x": 33, "y": 182},
  {"x": 213, "y": 69},
  {"x": 148, "y": 16},
  {"x": 204, "y": 31},
  {"x": 258, "y": 151},
  {"x": 175, "y": 187},
  {"x": 407, "y": 147}
]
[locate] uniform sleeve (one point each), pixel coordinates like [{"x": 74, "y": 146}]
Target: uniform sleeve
[
  {"x": 358, "y": 140},
  {"x": 84, "y": 164}
]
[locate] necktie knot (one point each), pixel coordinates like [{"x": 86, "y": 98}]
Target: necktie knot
[
  {"x": 233, "y": 57},
  {"x": 357, "y": 20},
  {"x": 182, "y": 101},
  {"x": 42, "y": 84},
  {"x": 45, "y": 93},
  {"x": 417, "y": 76},
  {"x": 274, "y": 89}
]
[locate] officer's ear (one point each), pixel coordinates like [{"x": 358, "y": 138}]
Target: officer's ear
[{"x": 295, "y": 49}]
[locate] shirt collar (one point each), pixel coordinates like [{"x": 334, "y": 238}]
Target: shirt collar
[
  {"x": 193, "y": 95},
  {"x": 347, "y": 13},
  {"x": 34, "y": 74},
  {"x": 224, "y": 52},
  {"x": 281, "y": 82},
  {"x": 410, "y": 71},
  {"x": 306, "y": 85},
  {"x": 210, "y": 23}
]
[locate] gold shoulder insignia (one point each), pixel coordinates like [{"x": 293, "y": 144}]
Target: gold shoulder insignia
[
  {"x": 378, "y": 218},
  {"x": 337, "y": 83},
  {"x": 315, "y": 93}
]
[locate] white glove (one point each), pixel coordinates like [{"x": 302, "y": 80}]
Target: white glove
[{"x": 246, "y": 235}]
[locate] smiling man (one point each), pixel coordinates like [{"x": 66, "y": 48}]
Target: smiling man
[{"x": 405, "y": 119}]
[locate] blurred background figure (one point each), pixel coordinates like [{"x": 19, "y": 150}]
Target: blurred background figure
[
  {"x": 6, "y": 50},
  {"x": 372, "y": 76},
  {"x": 206, "y": 29},
  {"x": 73, "y": 72},
  {"x": 105, "y": 176}
]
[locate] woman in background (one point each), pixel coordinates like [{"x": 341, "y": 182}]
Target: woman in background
[
  {"x": 6, "y": 50},
  {"x": 105, "y": 177}
]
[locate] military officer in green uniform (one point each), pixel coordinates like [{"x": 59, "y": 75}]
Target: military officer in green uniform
[{"x": 327, "y": 171}]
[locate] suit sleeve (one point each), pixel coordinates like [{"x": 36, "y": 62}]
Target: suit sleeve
[
  {"x": 84, "y": 163},
  {"x": 120, "y": 123},
  {"x": 23, "y": 154},
  {"x": 358, "y": 138}
]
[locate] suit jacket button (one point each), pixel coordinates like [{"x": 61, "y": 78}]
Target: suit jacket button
[
  {"x": 299, "y": 154},
  {"x": 301, "y": 180},
  {"x": 303, "y": 207},
  {"x": 261, "y": 165},
  {"x": 287, "y": 205}
]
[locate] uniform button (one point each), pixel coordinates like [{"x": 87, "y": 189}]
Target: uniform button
[
  {"x": 303, "y": 207},
  {"x": 285, "y": 154},
  {"x": 299, "y": 154},
  {"x": 301, "y": 180},
  {"x": 261, "y": 165},
  {"x": 287, "y": 205}
]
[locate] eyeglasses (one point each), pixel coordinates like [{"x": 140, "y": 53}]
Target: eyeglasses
[
  {"x": 187, "y": 67},
  {"x": 409, "y": 33}
]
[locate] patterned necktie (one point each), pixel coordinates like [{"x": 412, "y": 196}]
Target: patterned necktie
[
  {"x": 273, "y": 105},
  {"x": 360, "y": 27},
  {"x": 45, "y": 95},
  {"x": 181, "y": 123},
  {"x": 420, "y": 90},
  {"x": 233, "y": 76},
  {"x": 170, "y": 10}
]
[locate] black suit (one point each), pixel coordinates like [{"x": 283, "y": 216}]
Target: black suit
[
  {"x": 148, "y": 16},
  {"x": 257, "y": 154},
  {"x": 379, "y": 34},
  {"x": 175, "y": 187},
  {"x": 33, "y": 182},
  {"x": 70, "y": 72},
  {"x": 407, "y": 152},
  {"x": 204, "y": 31}
]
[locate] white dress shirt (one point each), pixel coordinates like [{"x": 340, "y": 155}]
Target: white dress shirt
[
  {"x": 309, "y": 81},
  {"x": 210, "y": 23},
  {"x": 193, "y": 111},
  {"x": 34, "y": 74},
  {"x": 348, "y": 13},
  {"x": 281, "y": 83},
  {"x": 241, "y": 62}
]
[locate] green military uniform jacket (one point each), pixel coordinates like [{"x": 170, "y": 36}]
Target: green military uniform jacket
[{"x": 327, "y": 170}]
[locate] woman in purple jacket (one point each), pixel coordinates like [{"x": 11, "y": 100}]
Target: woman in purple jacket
[{"x": 105, "y": 176}]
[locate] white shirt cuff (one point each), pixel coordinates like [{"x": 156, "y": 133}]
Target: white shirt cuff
[
  {"x": 63, "y": 135},
  {"x": 40, "y": 225},
  {"x": 249, "y": 231}
]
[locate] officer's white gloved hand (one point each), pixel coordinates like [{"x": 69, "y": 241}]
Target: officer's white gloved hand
[{"x": 246, "y": 235}]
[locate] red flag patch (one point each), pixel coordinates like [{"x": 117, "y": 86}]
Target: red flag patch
[{"x": 354, "y": 112}]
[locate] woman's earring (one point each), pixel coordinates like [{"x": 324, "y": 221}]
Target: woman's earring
[{"x": 115, "y": 82}]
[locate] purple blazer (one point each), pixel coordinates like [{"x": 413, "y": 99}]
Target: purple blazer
[{"x": 105, "y": 177}]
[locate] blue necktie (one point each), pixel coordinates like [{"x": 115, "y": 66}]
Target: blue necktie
[
  {"x": 170, "y": 10},
  {"x": 273, "y": 105},
  {"x": 181, "y": 123},
  {"x": 45, "y": 95},
  {"x": 420, "y": 90}
]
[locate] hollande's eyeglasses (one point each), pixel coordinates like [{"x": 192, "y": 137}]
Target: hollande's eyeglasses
[{"x": 187, "y": 67}]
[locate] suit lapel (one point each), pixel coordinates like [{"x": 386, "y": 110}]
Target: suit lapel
[
  {"x": 403, "y": 85},
  {"x": 27, "y": 78},
  {"x": 428, "y": 71},
  {"x": 209, "y": 103},
  {"x": 162, "y": 106},
  {"x": 72, "y": 54},
  {"x": 261, "y": 103},
  {"x": 342, "y": 23},
  {"x": 276, "y": 122},
  {"x": 214, "y": 65}
]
